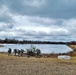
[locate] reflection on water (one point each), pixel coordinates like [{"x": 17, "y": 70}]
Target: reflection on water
[{"x": 45, "y": 48}]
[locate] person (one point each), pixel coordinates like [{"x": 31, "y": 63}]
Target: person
[
  {"x": 37, "y": 53},
  {"x": 28, "y": 53},
  {"x": 19, "y": 53},
  {"x": 22, "y": 51},
  {"x": 15, "y": 51},
  {"x": 9, "y": 51}
]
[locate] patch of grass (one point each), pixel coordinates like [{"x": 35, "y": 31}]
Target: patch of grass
[{"x": 11, "y": 65}]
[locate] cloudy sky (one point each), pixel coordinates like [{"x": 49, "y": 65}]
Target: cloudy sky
[{"x": 44, "y": 20}]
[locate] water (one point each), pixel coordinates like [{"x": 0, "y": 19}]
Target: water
[{"x": 45, "y": 48}]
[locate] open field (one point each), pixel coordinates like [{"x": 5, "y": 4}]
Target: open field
[{"x": 11, "y": 65}]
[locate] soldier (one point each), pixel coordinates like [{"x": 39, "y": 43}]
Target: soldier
[
  {"x": 15, "y": 51},
  {"x": 37, "y": 53},
  {"x": 19, "y": 54},
  {"x": 22, "y": 51},
  {"x": 9, "y": 51},
  {"x": 28, "y": 53}
]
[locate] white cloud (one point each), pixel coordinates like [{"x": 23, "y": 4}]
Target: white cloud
[
  {"x": 38, "y": 24},
  {"x": 37, "y": 28}
]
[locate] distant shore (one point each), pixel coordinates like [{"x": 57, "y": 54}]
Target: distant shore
[{"x": 14, "y": 41}]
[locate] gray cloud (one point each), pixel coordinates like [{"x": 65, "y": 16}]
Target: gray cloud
[
  {"x": 38, "y": 19},
  {"x": 50, "y": 8},
  {"x": 5, "y": 18},
  {"x": 5, "y": 26}
]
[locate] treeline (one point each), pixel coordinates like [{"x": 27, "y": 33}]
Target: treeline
[{"x": 14, "y": 41}]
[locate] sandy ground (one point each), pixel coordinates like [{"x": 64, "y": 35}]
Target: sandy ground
[{"x": 11, "y": 65}]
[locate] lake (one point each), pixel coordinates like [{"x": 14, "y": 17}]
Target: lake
[{"x": 45, "y": 48}]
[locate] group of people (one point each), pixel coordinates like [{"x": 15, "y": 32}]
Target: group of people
[
  {"x": 15, "y": 51},
  {"x": 35, "y": 53},
  {"x": 30, "y": 52}
]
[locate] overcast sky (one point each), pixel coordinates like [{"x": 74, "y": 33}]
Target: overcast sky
[{"x": 43, "y": 20}]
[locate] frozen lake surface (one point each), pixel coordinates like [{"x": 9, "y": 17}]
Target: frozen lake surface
[{"x": 45, "y": 48}]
